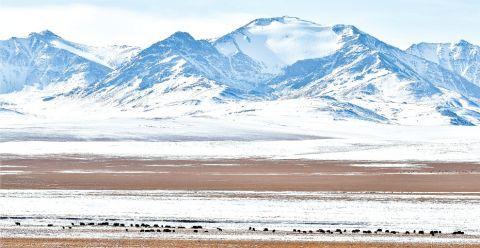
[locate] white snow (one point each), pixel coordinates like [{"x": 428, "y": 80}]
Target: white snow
[
  {"x": 237, "y": 210},
  {"x": 289, "y": 129},
  {"x": 384, "y": 165},
  {"x": 280, "y": 42}
]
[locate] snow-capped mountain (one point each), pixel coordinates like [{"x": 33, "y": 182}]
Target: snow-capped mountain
[
  {"x": 461, "y": 57},
  {"x": 349, "y": 73},
  {"x": 38, "y": 61},
  {"x": 279, "y": 42},
  {"x": 178, "y": 69},
  {"x": 42, "y": 59}
]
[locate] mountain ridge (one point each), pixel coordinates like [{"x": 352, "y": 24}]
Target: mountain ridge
[{"x": 355, "y": 74}]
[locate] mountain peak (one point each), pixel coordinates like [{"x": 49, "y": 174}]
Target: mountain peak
[
  {"x": 47, "y": 34},
  {"x": 463, "y": 43},
  {"x": 179, "y": 35},
  {"x": 281, "y": 19}
]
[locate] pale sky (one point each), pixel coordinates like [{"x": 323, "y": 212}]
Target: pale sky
[{"x": 143, "y": 22}]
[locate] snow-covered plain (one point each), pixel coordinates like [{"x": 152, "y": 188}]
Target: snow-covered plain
[
  {"x": 238, "y": 210},
  {"x": 277, "y": 129}
]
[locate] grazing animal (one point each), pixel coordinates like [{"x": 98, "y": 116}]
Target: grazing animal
[
  {"x": 219, "y": 229},
  {"x": 168, "y": 230},
  {"x": 69, "y": 227},
  {"x": 407, "y": 232},
  {"x": 137, "y": 225},
  {"x": 17, "y": 223},
  {"x": 304, "y": 232},
  {"x": 265, "y": 229},
  {"x": 195, "y": 231},
  {"x": 126, "y": 230},
  {"x": 141, "y": 230},
  {"x": 50, "y": 225},
  {"x": 195, "y": 227},
  {"x": 155, "y": 225},
  {"x": 379, "y": 230},
  {"x": 393, "y": 232},
  {"x": 273, "y": 230},
  {"x": 181, "y": 227},
  {"x": 72, "y": 224},
  {"x": 320, "y": 231},
  {"x": 421, "y": 232},
  {"x": 294, "y": 230},
  {"x": 310, "y": 231},
  {"x": 82, "y": 224},
  {"x": 205, "y": 231},
  {"x": 250, "y": 228},
  {"x": 458, "y": 232},
  {"x": 355, "y": 230}
]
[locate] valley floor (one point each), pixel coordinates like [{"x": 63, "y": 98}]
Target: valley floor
[
  {"x": 93, "y": 173},
  {"x": 276, "y": 172},
  {"x": 45, "y": 242},
  {"x": 51, "y": 195}
]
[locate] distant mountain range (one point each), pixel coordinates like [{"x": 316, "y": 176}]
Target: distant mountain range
[{"x": 352, "y": 73}]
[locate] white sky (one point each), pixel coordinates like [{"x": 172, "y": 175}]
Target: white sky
[{"x": 143, "y": 22}]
